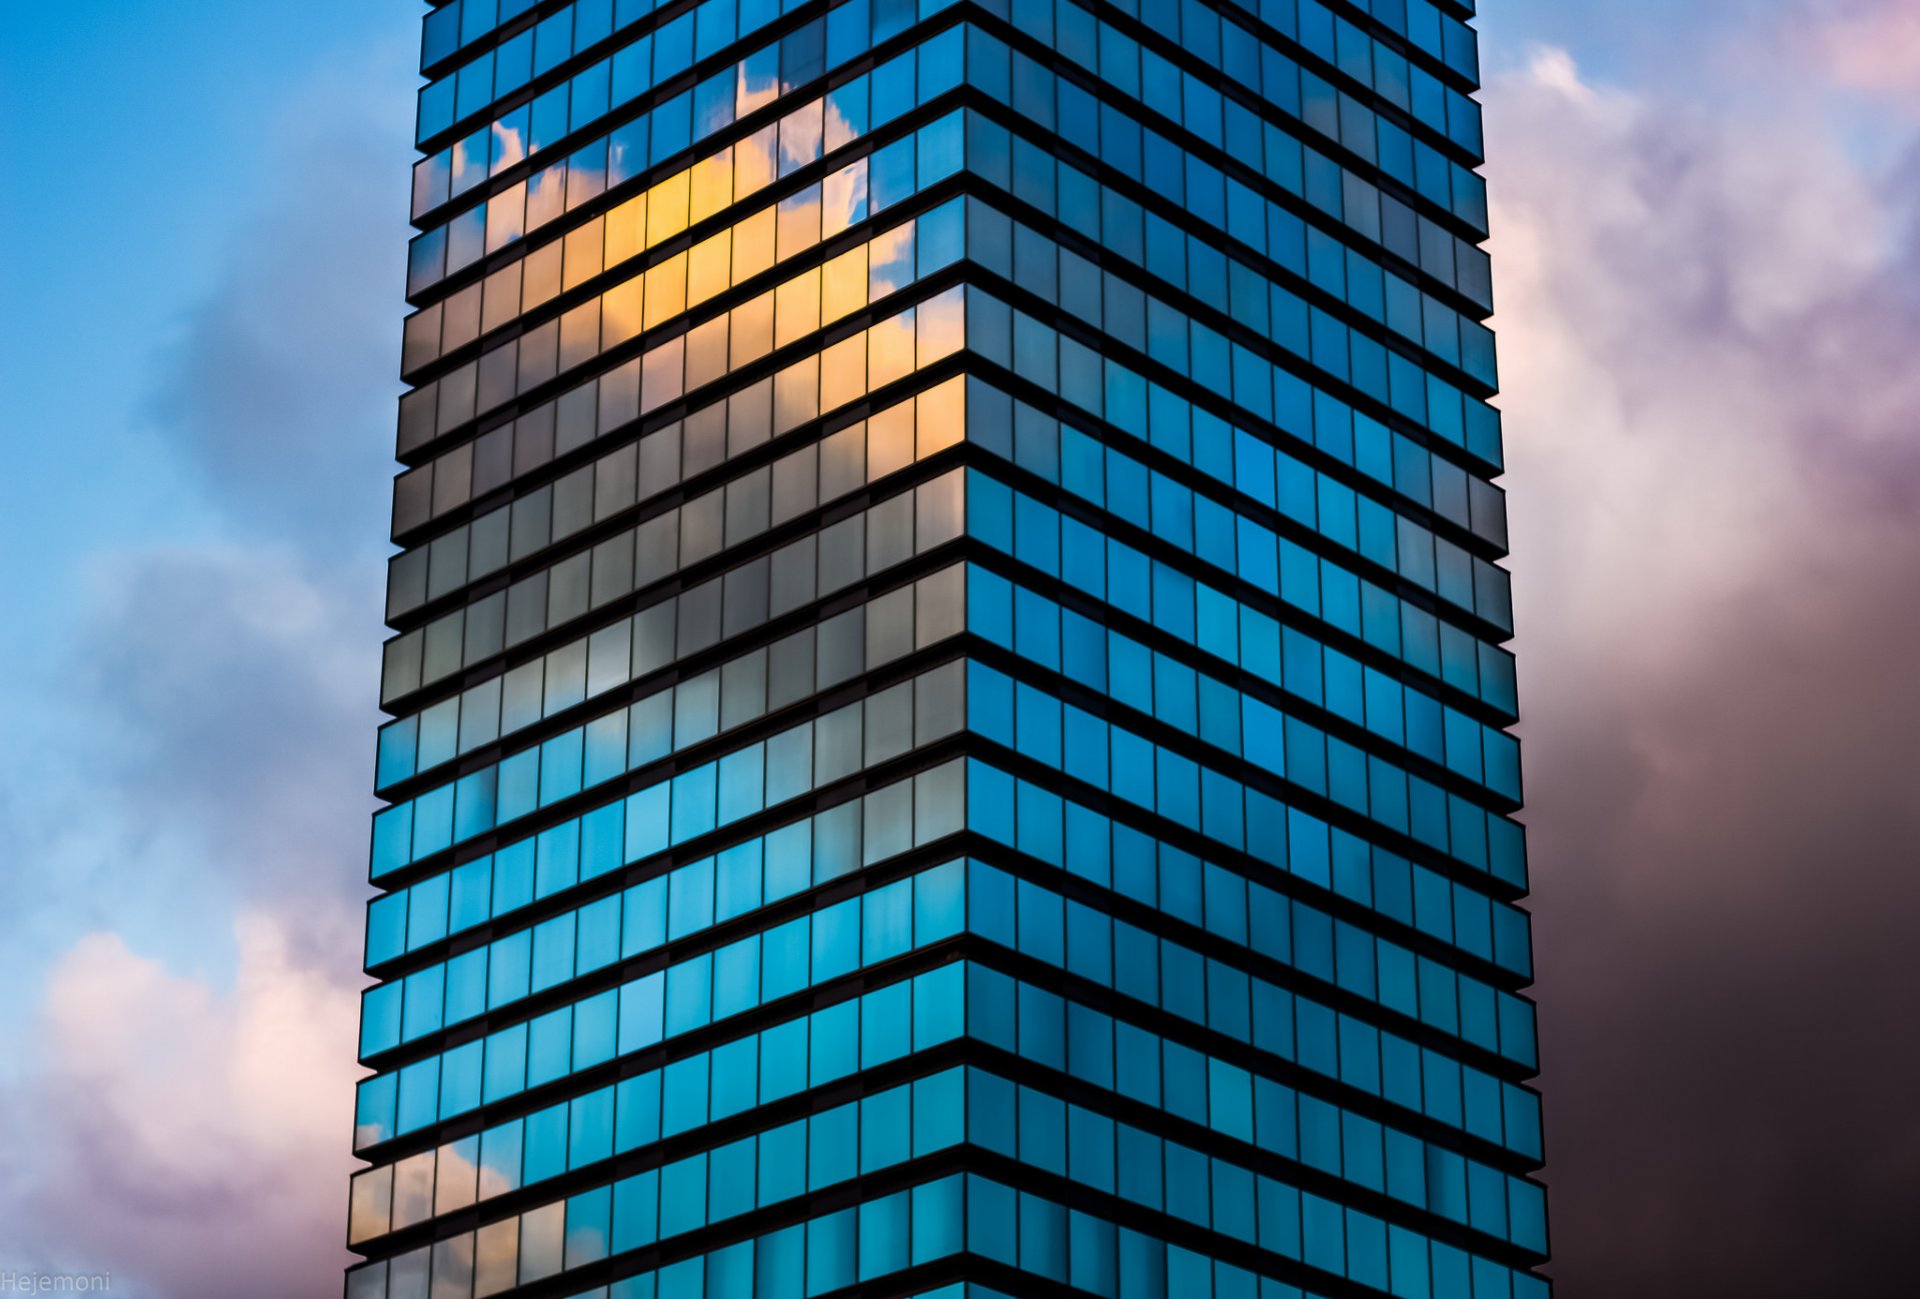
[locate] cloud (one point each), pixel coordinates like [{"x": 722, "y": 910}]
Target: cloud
[
  {"x": 193, "y": 773},
  {"x": 280, "y": 384},
  {"x": 1707, "y": 330},
  {"x": 188, "y": 1139},
  {"x": 1868, "y": 45}
]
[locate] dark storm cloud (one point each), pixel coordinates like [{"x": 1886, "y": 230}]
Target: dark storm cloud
[{"x": 1709, "y": 331}]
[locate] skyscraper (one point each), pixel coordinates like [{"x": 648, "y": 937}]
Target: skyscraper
[{"x": 948, "y": 712}]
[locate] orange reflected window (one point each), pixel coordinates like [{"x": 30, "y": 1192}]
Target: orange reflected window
[
  {"x": 890, "y": 350},
  {"x": 890, "y": 440},
  {"x": 712, "y": 185},
  {"x": 496, "y": 1257},
  {"x": 843, "y": 284},
  {"x": 706, "y": 352},
  {"x": 796, "y": 394},
  {"x": 843, "y": 372},
  {"x": 626, "y": 230},
  {"x": 940, "y": 417},
  {"x": 796, "y": 308},
  {"x": 542, "y": 276},
  {"x": 752, "y": 331},
  {"x": 799, "y": 222},
  {"x": 620, "y": 312},
  {"x": 585, "y": 248},
  {"x": 753, "y": 161},
  {"x": 580, "y": 334},
  {"x": 506, "y": 217},
  {"x": 753, "y": 245},
  {"x": 666, "y": 290},
  {"x": 667, "y": 208},
  {"x": 942, "y": 326},
  {"x": 708, "y": 265}
]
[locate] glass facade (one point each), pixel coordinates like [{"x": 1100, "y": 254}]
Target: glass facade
[{"x": 949, "y": 732}]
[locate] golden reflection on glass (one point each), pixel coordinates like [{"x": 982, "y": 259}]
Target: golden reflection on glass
[
  {"x": 709, "y": 263},
  {"x": 546, "y": 195},
  {"x": 753, "y": 161},
  {"x": 796, "y": 394},
  {"x": 890, "y": 440},
  {"x": 752, "y": 330},
  {"x": 706, "y": 352},
  {"x": 457, "y": 1175},
  {"x": 662, "y": 373},
  {"x": 667, "y": 208},
  {"x": 940, "y": 417},
  {"x": 712, "y": 185},
  {"x": 584, "y": 250},
  {"x": 620, "y": 312},
  {"x": 506, "y": 217},
  {"x": 890, "y": 350},
  {"x": 580, "y": 334},
  {"x": 843, "y": 200},
  {"x": 843, "y": 372},
  {"x": 799, "y": 222},
  {"x": 496, "y": 1257},
  {"x": 796, "y": 310},
  {"x": 666, "y": 290},
  {"x": 502, "y": 301},
  {"x": 889, "y": 261},
  {"x": 626, "y": 230},
  {"x": 800, "y": 137},
  {"x": 542, "y": 276},
  {"x": 753, "y": 245},
  {"x": 509, "y": 144},
  {"x": 942, "y": 326},
  {"x": 843, "y": 284}
]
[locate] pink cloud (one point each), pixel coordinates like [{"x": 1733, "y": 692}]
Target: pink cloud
[
  {"x": 191, "y": 1140},
  {"x": 1868, "y": 45}
]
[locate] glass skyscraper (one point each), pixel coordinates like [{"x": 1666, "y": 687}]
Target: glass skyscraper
[{"x": 948, "y": 712}]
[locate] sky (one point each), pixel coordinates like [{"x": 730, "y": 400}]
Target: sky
[{"x": 1706, "y": 248}]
